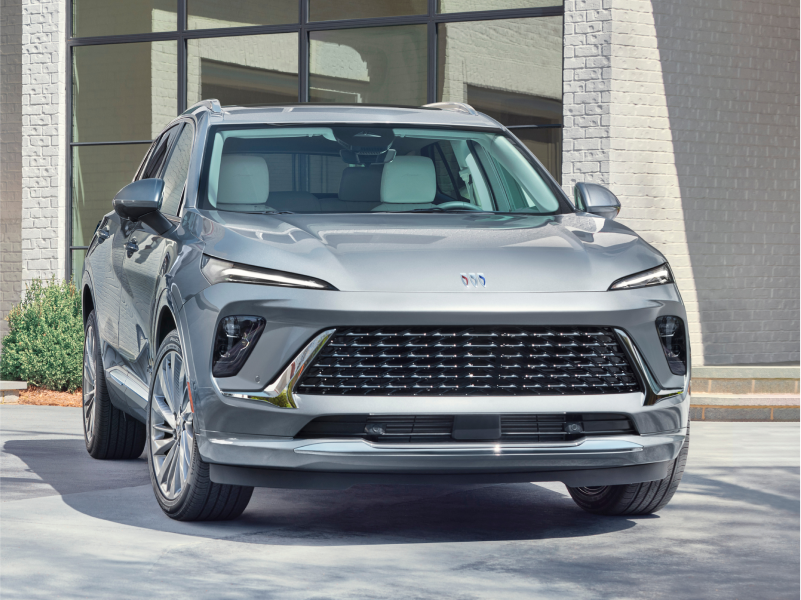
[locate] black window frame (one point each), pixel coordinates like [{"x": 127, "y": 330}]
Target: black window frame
[{"x": 303, "y": 28}]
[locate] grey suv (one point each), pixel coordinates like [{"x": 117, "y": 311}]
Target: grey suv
[{"x": 321, "y": 296}]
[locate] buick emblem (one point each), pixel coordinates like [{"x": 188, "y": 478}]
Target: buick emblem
[{"x": 474, "y": 279}]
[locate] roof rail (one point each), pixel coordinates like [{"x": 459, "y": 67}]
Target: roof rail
[
  {"x": 453, "y": 106},
  {"x": 212, "y": 104}
]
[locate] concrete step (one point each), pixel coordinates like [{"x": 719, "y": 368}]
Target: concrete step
[{"x": 9, "y": 391}]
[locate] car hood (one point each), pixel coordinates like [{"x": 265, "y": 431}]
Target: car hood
[{"x": 430, "y": 252}]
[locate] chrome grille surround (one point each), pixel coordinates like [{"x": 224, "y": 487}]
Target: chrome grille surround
[{"x": 470, "y": 361}]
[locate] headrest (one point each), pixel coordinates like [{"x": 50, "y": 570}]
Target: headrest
[
  {"x": 409, "y": 180},
  {"x": 244, "y": 179},
  {"x": 361, "y": 184}
]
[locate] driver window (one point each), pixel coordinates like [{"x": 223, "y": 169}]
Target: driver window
[{"x": 176, "y": 171}]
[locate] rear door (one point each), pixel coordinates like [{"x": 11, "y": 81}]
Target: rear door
[{"x": 144, "y": 265}]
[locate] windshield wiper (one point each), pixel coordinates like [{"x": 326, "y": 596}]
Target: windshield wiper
[
  {"x": 436, "y": 209},
  {"x": 270, "y": 212}
]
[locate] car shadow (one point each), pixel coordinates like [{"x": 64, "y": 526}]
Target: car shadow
[{"x": 120, "y": 491}]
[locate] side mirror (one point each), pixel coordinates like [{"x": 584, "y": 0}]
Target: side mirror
[
  {"x": 140, "y": 201},
  {"x": 596, "y": 199}
]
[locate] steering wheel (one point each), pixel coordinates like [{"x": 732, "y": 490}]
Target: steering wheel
[{"x": 458, "y": 204}]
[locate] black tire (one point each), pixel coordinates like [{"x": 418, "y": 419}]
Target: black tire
[
  {"x": 636, "y": 498},
  {"x": 199, "y": 498},
  {"x": 109, "y": 433}
]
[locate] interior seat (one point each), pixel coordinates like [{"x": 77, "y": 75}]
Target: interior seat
[
  {"x": 359, "y": 190},
  {"x": 244, "y": 183},
  {"x": 408, "y": 182}
]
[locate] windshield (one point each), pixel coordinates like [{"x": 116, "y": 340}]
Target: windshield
[{"x": 353, "y": 169}]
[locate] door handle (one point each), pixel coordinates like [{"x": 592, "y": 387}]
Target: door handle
[
  {"x": 103, "y": 235},
  {"x": 131, "y": 247}
]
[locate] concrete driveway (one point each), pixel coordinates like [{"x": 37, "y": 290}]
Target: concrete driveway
[{"x": 73, "y": 527}]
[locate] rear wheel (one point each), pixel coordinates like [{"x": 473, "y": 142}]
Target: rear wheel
[
  {"x": 636, "y": 498},
  {"x": 180, "y": 478},
  {"x": 109, "y": 433}
]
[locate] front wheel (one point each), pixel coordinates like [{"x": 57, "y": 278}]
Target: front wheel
[
  {"x": 635, "y": 498},
  {"x": 179, "y": 476}
]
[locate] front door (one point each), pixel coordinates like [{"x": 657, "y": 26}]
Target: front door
[{"x": 144, "y": 267}]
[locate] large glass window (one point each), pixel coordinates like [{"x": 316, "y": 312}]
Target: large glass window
[
  {"x": 251, "y": 52},
  {"x": 121, "y": 17},
  {"x": 331, "y": 10},
  {"x": 123, "y": 92},
  {"x": 372, "y": 65},
  {"x": 253, "y": 69},
  {"x": 98, "y": 173},
  {"x": 511, "y": 70},
  {"x": 451, "y": 6},
  {"x": 212, "y": 14}
]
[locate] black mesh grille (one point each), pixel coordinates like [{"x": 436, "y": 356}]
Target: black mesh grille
[
  {"x": 470, "y": 361},
  {"x": 438, "y": 428}
]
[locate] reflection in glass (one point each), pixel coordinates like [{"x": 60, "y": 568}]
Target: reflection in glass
[
  {"x": 375, "y": 65},
  {"x": 98, "y": 173},
  {"x": 78, "y": 256},
  {"x": 212, "y": 14},
  {"x": 123, "y": 91},
  {"x": 510, "y": 69},
  {"x": 546, "y": 144},
  {"x": 332, "y": 10},
  {"x": 449, "y": 6},
  {"x": 253, "y": 69},
  {"x": 121, "y": 17}
]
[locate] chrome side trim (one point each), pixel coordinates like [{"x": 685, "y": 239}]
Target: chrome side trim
[
  {"x": 453, "y": 107},
  {"x": 653, "y": 391},
  {"x": 281, "y": 392},
  {"x": 366, "y": 448}
]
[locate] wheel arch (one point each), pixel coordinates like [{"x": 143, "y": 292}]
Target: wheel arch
[
  {"x": 87, "y": 297},
  {"x": 165, "y": 323}
]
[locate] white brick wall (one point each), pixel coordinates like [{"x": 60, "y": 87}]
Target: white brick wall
[
  {"x": 43, "y": 139},
  {"x": 10, "y": 158},
  {"x": 698, "y": 105}
]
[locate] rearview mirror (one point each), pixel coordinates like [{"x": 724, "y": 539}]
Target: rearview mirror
[
  {"x": 596, "y": 199},
  {"x": 140, "y": 201}
]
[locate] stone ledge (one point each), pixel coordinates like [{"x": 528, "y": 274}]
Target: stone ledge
[
  {"x": 13, "y": 385},
  {"x": 790, "y": 400},
  {"x": 747, "y": 372},
  {"x": 745, "y": 413}
]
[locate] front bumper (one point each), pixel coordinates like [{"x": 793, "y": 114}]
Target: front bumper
[
  {"x": 339, "y": 463},
  {"x": 250, "y": 440}
]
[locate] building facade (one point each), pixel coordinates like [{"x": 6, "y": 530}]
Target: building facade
[{"x": 686, "y": 109}]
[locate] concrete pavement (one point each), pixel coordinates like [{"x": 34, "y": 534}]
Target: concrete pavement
[{"x": 73, "y": 527}]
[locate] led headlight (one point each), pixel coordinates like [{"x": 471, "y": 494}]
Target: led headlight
[
  {"x": 219, "y": 271},
  {"x": 235, "y": 339},
  {"x": 674, "y": 343},
  {"x": 657, "y": 276}
]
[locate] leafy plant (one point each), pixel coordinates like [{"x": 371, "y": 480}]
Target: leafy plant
[{"x": 44, "y": 345}]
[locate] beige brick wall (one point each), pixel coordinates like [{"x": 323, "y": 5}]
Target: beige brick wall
[
  {"x": 697, "y": 105},
  {"x": 10, "y": 158}
]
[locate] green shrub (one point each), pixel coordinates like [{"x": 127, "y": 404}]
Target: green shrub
[{"x": 44, "y": 345}]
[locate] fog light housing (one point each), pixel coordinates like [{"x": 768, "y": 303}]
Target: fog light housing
[
  {"x": 235, "y": 339},
  {"x": 674, "y": 342}
]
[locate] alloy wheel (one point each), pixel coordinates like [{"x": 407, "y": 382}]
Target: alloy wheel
[
  {"x": 89, "y": 383},
  {"x": 172, "y": 433}
]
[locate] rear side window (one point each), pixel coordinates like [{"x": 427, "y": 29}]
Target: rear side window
[{"x": 176, "y": 171}]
